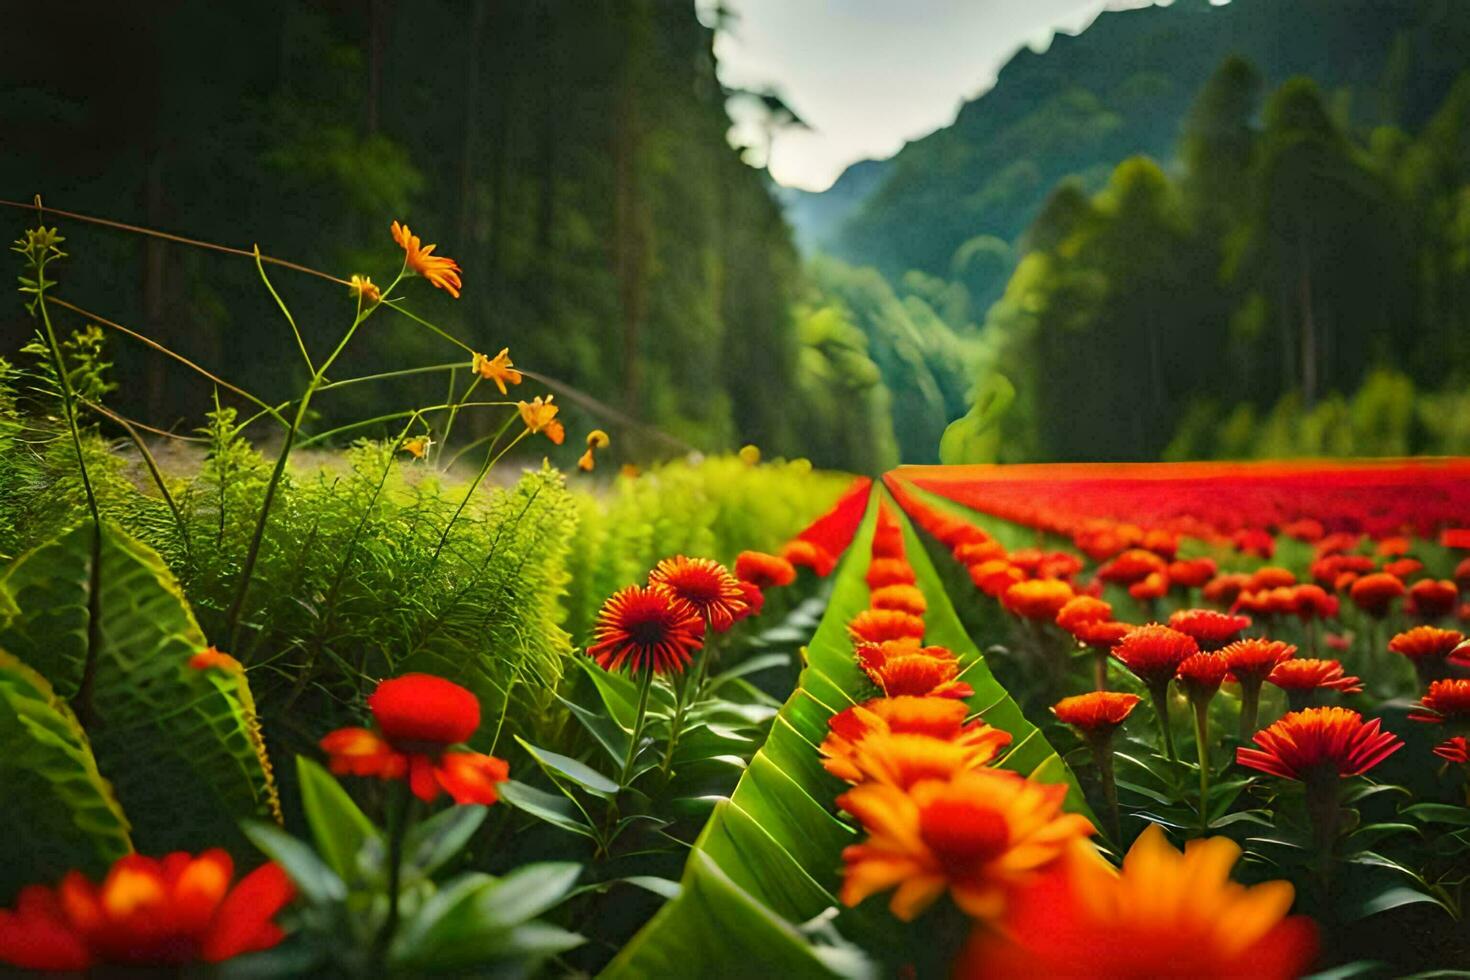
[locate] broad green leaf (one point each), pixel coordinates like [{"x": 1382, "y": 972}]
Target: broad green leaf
[
  {"x": 59, "y": 813},
  {"x": 182, "y": 746},
  {"x": 338, "y": 827},
  {"x": 526, "y": 892},
  {"x": 432, "y": 843},
  {"x": 317, "y": 883},
  {"x": 554, "y": 809},
  {"x": 578, "y": 772}
]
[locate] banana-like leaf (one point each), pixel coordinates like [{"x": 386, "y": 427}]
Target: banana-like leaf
[
  {"x": 102, "y": 618},
  {"x": 777, "y": 843},
  {"x": 59, "y": 813}
]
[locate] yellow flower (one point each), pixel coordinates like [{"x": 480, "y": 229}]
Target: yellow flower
[
  {"x": 441, "y": 273},
  {"x": 750, "y": 455},
  {"x": 497, "y": 369},
  {"x": 418, "y": 446},
  {"x": 596, "y": 439},
  {"x": 540, "y": 416},
  {"x": 362, "y": 287}
]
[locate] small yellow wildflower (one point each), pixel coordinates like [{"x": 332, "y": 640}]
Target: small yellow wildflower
[
  {"x": 362, "y": 287},
  {"x": 498, "y": 369},
  {"x": 750, "y": 455},
  {"x": 596, "y": 439},
  {"x": 418, "y": 446},
  {"x": 540, "y": 416},
  {"x": 441, "y": 272}
]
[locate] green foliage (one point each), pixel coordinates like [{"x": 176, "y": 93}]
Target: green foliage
[{"x": 60, "y": 813}]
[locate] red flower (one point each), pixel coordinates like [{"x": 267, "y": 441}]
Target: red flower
[
  {"x": 1210, "y": 629},
  {"x": 1454, "y": 750},
  {"x": 1039, "y": 599},
  {"x": 1251, "y": 661},
  {"x": 1202, "y": 674},
  {"x": 1319, "y": 741},
  {"x": 904, "y": 598},
  {"x": 147, "y": 912},
  {"x": 1329, "y": 568},
  {"x": 1153, "y": 586},
  {"x": 764, "y": 570},
  {"x": 1131, "y": 566},
  {"x": 1224, "y": 589},
  {"x": 905, "y": 669},
  {"x": 1402, "y": 568},
  {"x": 1427, "y": 647},
  {"x": 808, "y": 555},
  {"x": 1308, "y": 675},
  {"x": 1271, "y": 577},
  {"x": 1446, "y": 700},
  {"x": 887, "y": 536},
  {"x": 706, "y": 585},
  {"x": 419, "y": 717},
  {"x": 1154, "y": 652},
  {"x": 646, "y": 629},
  {"x": 755, "y": 599},
  {"x": 1431, "y": 599},
  {"x": 1313, "y": 602},
  {"x": 1373, "y": 593},
  {"x": 1192, "y": 573},
  {"x": 995, "y": 576},
  {"x": 211, "y": 659},
  {"x": 1096, "y": 713},
  {"x": 1393, "y": 547},
  {"x": 1305, "y": 529},
  {"x": 1101, "y": 634},
  {"x": 1165, "y": 544},
  {"x": 889, "y": 571},
  {"x": 880, "y": 625},
  {"x": 1462, "y": 574},
  {"x": 974, "y": 552},
  {"x": 1254, "y": 541},
  {"x": 1083, "y": 609}
]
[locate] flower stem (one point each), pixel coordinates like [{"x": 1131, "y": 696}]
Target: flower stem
[
  {"x": 1100, "y": 668},
  {"x": 638, "y": 721},
  {"x": 1201, "y": 741},
  {"x": 399, "y": 804},
  {"x": 1102, "y": 755},
  {"x": 1250, "y": 708},
  {"x": 1159, "y": 694},
  {"x": 1323, "y": 807}
]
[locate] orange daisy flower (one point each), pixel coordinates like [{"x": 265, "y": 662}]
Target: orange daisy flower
[
  {"x": 1133, "y": 565},
  {"x": 903, "y": 758},
  {"x": 1428, "y": 648},
  {"x": 993, "y": 577},
  {"x": 1083, "y": 609},
  {"x": 1191, "y": 573},
  {"x": 1271, "y": 577},
  {"x": 1101, "y": 634},
  {"x": 1432, "y": 598},
  {"x": 889, "y": 571},
  {"x": 497, "y": 369},
  {"x": 540, "y": 416},
  {"x": 148, "y": 912},
  {"x": 805, "y": 554},
  {"x": 1313, "y": 602},
  {"x": 1210, "y": 629},
  {"x": 1039, "y": 600},
  {"x": 1300, "y": 677},
  {"x": 981, "y": 834},
  {"x": 1402, "y": 568},
  {"x": 1202, "y": 674},
  {"x": 440, "y": 272},
  {"x": 1223, "y": 590},
  {"x": 880, "y": 625},
  {"x": 1154, "y": 586},
  {"x": 1375, "y": 593},
  {"x": 417, "y": 446},
  {"x": 706, "y": 585},
  {"x": 904, "y": 598},
  {"x": 1315, "y": 742},
  {"x": 1251, "y": 661},
  {"x": 764, "y": 570},
  {"x": 901, "y": 667},
  {"x": 1166, "y": 914},
  {"x": 1154, "y": 652},
  {"x": 419, "y": 718},
  {"x": 974, "y": 552},
  {"x": 646, "y": 629},
  {"x": 1446, "y": 700},
  {"x": 1097, "y": 713},
  {"x": 362, "y": 287}
]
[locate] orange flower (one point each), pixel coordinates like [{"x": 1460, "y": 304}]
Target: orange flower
[
  {"x": 901, "y": 667},
  {"x": 1152, "y": 586},
  {"x": 210, "y": 658},
  {"x": 1374, "y": 593},
  {"x": 1446, "y": 700},
  {"x": 1428, "y": 648},
  {"x": 904, "y": 598},
  {"x": 540, "y": 416},
  {"x": 1083, "y": 609},
  {"x": 362, "y": 287},
  {"x": 993, "y": 577},
  {"x": 1313, "y": 602},
  {"x": 1191, "y": 573},
  {"x": 1097, "y": 713},
  {"x": 1202, "y": 674},
  {"x": 1154, "y": 652},
  {"x": 497, "y": 369},
  {"x": 755, "y": 599},
  {"x": 809, "y": 555},
  {"x": 1251, "y": 661},
  {"x": 440, "y": 272},
  {"x": 1402, "y": 568},
  {"x": 887, "y": 537},
  {"x": 1305, "y": 529},
  {"x": 1101, "y": 634},
  {"x": 1225, "y": 589},
  {"x": 980, "y": 834},
  {"x": 903, "y": 759},
  {"x": 1308, "y": 675},
  {"x": 974, "y": 552},
  {"x": 1039, "y": 599},
  {"x": 1462, "y": 574},
  {"x": 1131, "y": 566},
  {"x": 1210, "y": 629},
  {"x": 880, "y": 625},
  {"x": 646, "y": 629},
  {"x": 889, "y": 571},
  {"x": 1166, "y": 915},
  {"x": 706, "y": 585},
  {"x": 419, "y": 717},
  {"x": 417, "y": 447},
  {"x": 1431, "y": 599},
  {"x": 1319, "y": 742},
  {"x": 148, "y": 912},
  {"x": 764, "y": 570},
  {"x": 1271, "y": 577}
]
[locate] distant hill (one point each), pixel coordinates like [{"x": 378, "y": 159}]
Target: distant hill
[{"x": 1121, "y": 87}]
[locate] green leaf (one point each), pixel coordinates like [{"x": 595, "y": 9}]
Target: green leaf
[
  {"x": 555, "y": 810},
  {"x": 578, "y": 772},
  {"x": 317, "y": 883},
  {"x": 59, "y": 813},
  {"x": 1458, "y": 816},
  {"x": 338, "y": 827},
  {"x": 433, "y": 842},
  {"x": 526, "y": 892},
  {"x": 181, "y": 746}
]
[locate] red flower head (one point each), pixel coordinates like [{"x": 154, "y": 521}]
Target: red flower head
[
  {"x": 764, "y": 570},
  {"x": 1393, "y": 547},
  {"x": 1058, "y": 564},
  {"x": 1270, "y": 577},
  {"x": 905, "y": 669},
  {"x": 805, "y": 554},
  {"x": 1251, "y": 661},
  {"x": 904, "y": 598},
  {"x": 1345, "y": 582},
  {"x": 901, "y": 740},
  {"x": 1154, "y": 652},
  {"x": 1202, "y": 674},
  {"x": 882, "y": 625},
  {"x": 1192, "y": 573},
  {"x": 1455, "y": 537},
  {"x": 974, "y": 552},
  {"x": 1223, "y": 590},
  {"x": 1313, "y": 602},
  {"x": 1165, "y": 544},
  {"x": 419, "y": 718},
  {"x": 1152, "y": 586},
  {"x": 755, "y": 599},
  {"x": 706, "y": 585},
  {"x": 1253, "y": 541},
  {"x": 1454, "y": 750},
  {"x": 1306, "y": 529},
  {"x": 1402, "y": 568},
  {"x": 889, "y": 571},
  {"x": 147, "y": 912},
  {"x": 1210, "y": 629},
  {"x": 1431, "y": 599},
  {"x": 1374, "y": 593},
  {"x": 1308, "y": 675},
  {"x": 1131, "y": 566},
  {"x": 1462, "y": 574},
  {"x": 1428, "y": 648},
  {"x": 1083, "y": 609},
  {"x": 953, "y": 532},
  {"x": 1319, "y": 741},
  {"x": 646, "y": 628},
  {"x": 995, "y": 576},
  {"x": 1339, "y": 542},
  {"x": 1101, "y": 634},
  {"x": 1446, "y": 700},
  {"x": 1096, "y": 714},
  {"x": 1039, "y": 599}
]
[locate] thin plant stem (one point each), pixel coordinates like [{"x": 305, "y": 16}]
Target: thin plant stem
[
  {"x": 391, "y": 417},
  {"x": 400, "y": 804},
  {"x": 1159, "y": 694},
  {"x": 286, "y": 312},
  {"x": 454, "y": 407},
  {"x": 1250, "y": 708},
  {"x": 68, "y": 397},
  {"x": 1102, "y": 755},
  {"x": 645, "y": 685},
  {"x": 491, "y": 458},
  {"x": 1100, "y": 668},
  {"x": 153, "y": 470},
  {"x": 1201, "y": 742}
]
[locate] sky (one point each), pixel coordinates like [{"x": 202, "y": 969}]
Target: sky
[{"x": 869, "y": 75}]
